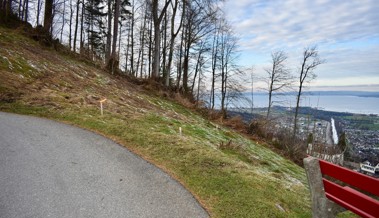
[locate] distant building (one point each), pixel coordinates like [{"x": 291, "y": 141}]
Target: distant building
[{"x": 366, "y": 167}]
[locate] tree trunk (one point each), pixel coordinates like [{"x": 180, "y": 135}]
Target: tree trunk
[
  {"x": 127, "y": 50},
  {"x": 186, "y": 60},
  {"x": 20, "y": 11},
  {"x": 197, "y": 66},
  {"x": 150, "y": 46},
  {"x": 113, "y": 61},
  {"x": 81, "y": 29},
  {"x": 76, "y": 23},
  {"x": 64, "y": 22},
  {"x": 164, "y": 47},
  {"x": 156, "y": 58},
  {"x": 70, "y": 29},
  {"x": 119, "y": 41},
  {"x": 157, "y": 19},
  {"x": 132, "y": 42},
  {"x": 198, "y": 86},
  {"x": 180, "y": 68},
  {"x": 270, "y": 93},
  {"x": 140, "y": 52},
  {"x": 185, "y": 69},
  {"x": 39, "y": 5},
  {"x": 297, "y": 110},
  {"x": 26, "y": 10},
  {"x": 173, "y": 36},
  {"x": 214, "y": 64},
  {"x": 109, "y": 32},
  {"x": 48, "y": 19}
]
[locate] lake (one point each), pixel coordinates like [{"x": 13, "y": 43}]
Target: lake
[{"x": 329, "y": 101}]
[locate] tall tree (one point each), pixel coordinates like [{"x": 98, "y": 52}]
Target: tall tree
[
  {"x": 38, "y": 12},
  {"x": 278, "y": 77},
  {"x": 96, "y": 30},
  {"x": 157, "y": 19},
  {"x": 174, "y": 34},
  {"x": 228, "y": 48},
  {"x": 142, "y": 32},
  {"x": 119, "y": 15},
  {"x": 310, "y": 60},
  {"x": 48, "y": 19},
  {"x": 76, "y": 23},
  {"x": 131, "y": 33},
  {"x": 113, "y": 60},
  {"x": 109, "y": 30},
  {"x": 214, "y": 58},
  {"x": 7, "y": 8},
  {"x": 70, "y": 24},
  {"x": 82, "y": 29},
  {"x": 64, "y": 22},
  {"x": 198, "y": 24}
]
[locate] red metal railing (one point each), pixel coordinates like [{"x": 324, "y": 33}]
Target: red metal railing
[{"x": 347, "y": 197}]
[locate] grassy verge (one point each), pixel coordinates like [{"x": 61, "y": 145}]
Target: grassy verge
[{"x": 242, "y": 180}]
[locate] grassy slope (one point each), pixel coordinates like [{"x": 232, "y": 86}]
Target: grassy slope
[{"x": 244, "y": 179}]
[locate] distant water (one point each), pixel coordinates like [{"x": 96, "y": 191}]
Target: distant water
[{"x": 337, "y": 103}]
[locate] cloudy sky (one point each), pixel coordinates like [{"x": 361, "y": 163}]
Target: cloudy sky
[{"x": 345, "y": 31}]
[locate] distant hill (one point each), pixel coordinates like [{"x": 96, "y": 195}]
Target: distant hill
[
  {"x": 325, "y": 93},
  {"x": 344, "y": 93}
]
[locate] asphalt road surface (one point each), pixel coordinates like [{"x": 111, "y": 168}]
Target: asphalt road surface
[{"x": 49, "y": 169}]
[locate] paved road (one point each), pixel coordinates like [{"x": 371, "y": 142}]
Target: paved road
[{"x": 48, "y": 169}]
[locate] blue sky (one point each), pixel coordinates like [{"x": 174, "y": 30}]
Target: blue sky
[{"x": 345, "y": 31}]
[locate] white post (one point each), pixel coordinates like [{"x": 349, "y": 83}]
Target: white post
[
  {"x": 101, "y": 106},
  {"x": 180, "y": 131},
  {"x": 322, "y": 207}
]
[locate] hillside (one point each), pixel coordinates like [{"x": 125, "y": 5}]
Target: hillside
[{"x": 230, "y": 175}]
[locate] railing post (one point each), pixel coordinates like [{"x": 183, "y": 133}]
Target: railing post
[{"x": 321, "y": 206}]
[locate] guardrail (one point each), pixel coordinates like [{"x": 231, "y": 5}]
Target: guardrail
[{"x": 328, "y": 196}]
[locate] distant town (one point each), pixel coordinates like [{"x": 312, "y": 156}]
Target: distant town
[{"x": 360, "y": 131}]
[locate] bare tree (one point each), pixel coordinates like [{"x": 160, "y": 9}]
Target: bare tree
[
  {"x": 278, "y": 77},
  {"x": 310, "y": 61},
  {"x": 7, "y": 6},
  {"x": 38, "y": 12},
  {"x": 70, "y": 24},
  {"x": 82, "y": 29},
  {"x": 157, "y": 19},
  {"x": 48, "y": 20},
  {"x": 174, "y": 34},
  {"x": 142, "y": 33},
  {"x": 115, "y": 34},
  {"x": 198, "y": 24},
  {"x": 109, "y": 30},
  {"x": 228, "y": 48},
  {"x": 214, "y": 58},
  {"x": 64, "y": 22},
  {"x": 76, "y": 23}
]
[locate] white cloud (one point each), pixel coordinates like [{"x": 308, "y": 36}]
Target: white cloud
[{"x": 347, "y": 32}]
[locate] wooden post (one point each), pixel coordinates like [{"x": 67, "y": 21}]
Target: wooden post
[
  {"x": 101, "y": 106},
  {"x": 321, "y": 206}
]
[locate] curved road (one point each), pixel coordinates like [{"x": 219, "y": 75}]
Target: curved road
[{"x": 49, "y": 169}]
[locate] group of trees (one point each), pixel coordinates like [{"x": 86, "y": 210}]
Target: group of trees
[
  {"x": 279, "y": 78},
  {"x": 182, "y": 44},
  {"x": 178, "y": 43}
]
